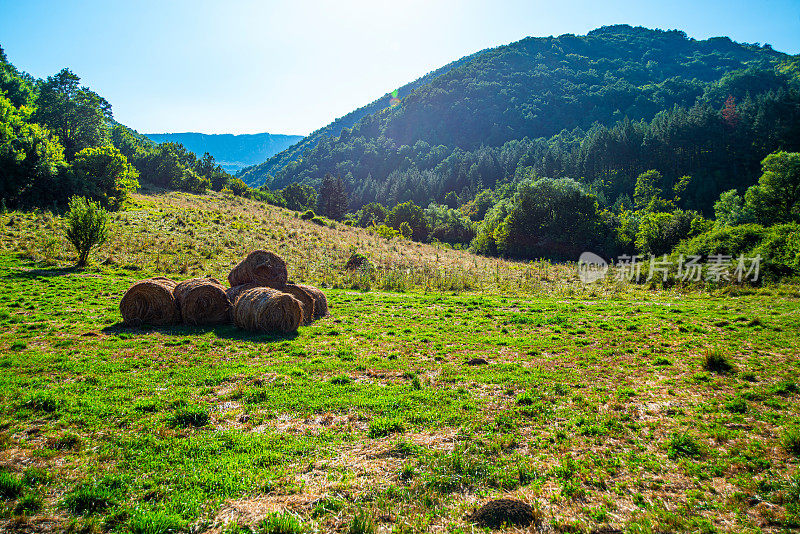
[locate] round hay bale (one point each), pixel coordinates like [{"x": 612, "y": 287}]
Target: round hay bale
[
  {"x": 236, "y": 291},
  {"x": 495, "y": 514},
  {"x": 320, "y": 301},
  {"x": 260, "y": 267},
  {"x": 262, "y": 309},
  {"x": 202, "y": 301},
  {"x": 306, "y": 301},
  {"x": 150, "y": 302}
]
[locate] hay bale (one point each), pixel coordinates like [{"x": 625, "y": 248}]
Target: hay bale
[
  {"x": 150, "y": 302},
  {"x": 202, "y": 301},
  {"x": 320, "y": 301},
  {"x": 260, "y": 267},
  {"x": 236, "y": 291},
  {"x": 262, "y": 309},
  {"x": 305, "y": 298}
]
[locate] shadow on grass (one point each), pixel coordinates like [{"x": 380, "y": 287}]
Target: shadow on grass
[
  {"x": 29, "y": 274},
  {"x": 221, "y": 331}
]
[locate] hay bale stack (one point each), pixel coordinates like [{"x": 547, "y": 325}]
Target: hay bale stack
[
  {"x": 202, "y": 301},
  {"x": 262, "y": 309},
  {"x": 150, "y": 302},
  {"x": 306, "y": 301},
  {"x": 260, "y": 267},
  {"x": 320, "y": 301}
]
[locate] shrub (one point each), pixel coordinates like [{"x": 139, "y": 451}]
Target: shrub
[
  {"x": 383, "y": 426},
  {"x": 86, "y": 226},
  {"x": 358, "y": 261},
  {"x": 280, "y": 523},
  {"x": 683, "y": 445},
  {"x": 362, "y": 524},
  {"x": 736, "y": 405},
  {"x": 29, "y": 504},
  {"x": 192, "y": 416},
  {"x": 88, "y": 498},
  {"x": 405, "y": 230},
  {"x": 308, "y": 215},
  {"x": 386, "y": 232},
  {"x": 42, "y": 401},
  {"x": 791, "y": 440},
  {"x": 716, "y": 362},
  {"x": 156, "y": 522},
  {"x": 10, "y": 485},
  {"x": 341, "y": 380}
]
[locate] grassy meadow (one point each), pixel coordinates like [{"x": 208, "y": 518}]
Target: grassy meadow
[{"x": 440, "y": 380}]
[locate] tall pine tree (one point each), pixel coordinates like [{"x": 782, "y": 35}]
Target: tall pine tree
[{"x": 333, "y": 200}]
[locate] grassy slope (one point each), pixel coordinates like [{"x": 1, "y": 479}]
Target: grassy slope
[{"x": 595, "y": 405}]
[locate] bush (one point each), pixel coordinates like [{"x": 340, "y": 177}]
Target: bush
[
  {"x": 280, "y": 523},
  {"x": 156, "y": 523},
  {"x": 89, "y": 498},
  {"x": 791, "y": 440},
  {"x": 308, "y": 215},
  {"x": 194, "y": 416},
  {"x": 42, "y": 401},
  {"x": 683, "y": 445},
  {"x": 716, "y": 362},
  {"x": 10, "y": 485},
  {"x": 362, "y": 524},
  {"x": 86, "y": 226},
  {"x": 29, "y": 504},
  {"x": 383, "y": 426}
]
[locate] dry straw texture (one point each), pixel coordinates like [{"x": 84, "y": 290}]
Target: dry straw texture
[
  {"x": 202, "y": 301},
  {"x": 150, "y": 302},
  {"x": 320, "y": 301},
  {"x": 260, "y": 267},
  {"x": 262, "y": 309},
  {"x": 236, "y": 291},
  {"x": 306, "y": 301}
]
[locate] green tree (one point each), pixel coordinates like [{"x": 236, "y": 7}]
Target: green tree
[
  {"x": 776, "y": 197},
  {"x": 77, "y": 115},
  {"x": 31, "y": 160},
  {"x": 86, "y": 226},
  {"x": 659, "y": 233},
  {"x": 332, "y": 201},
  {"x": 105, "y": 174},
  {"x": 730, "y": 209},
  {"x": 412, "y": 214},
  {"x": 646, "y": 188},
  {"x": 546, "y": 218},
  {"x": 373, "y": 213},
  {"x": 237, "y": 187},
  {"x": 299, "y": 197}
]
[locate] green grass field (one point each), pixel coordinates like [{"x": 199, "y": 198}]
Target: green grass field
[{"x": 642, "y": 410}]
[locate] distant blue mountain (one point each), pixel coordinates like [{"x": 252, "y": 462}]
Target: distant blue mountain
[{"x": 232, "y": 152}]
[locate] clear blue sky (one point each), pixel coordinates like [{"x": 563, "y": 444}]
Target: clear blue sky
[{"x": 292, "y": 66}]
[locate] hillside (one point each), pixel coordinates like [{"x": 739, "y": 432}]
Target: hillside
[
  {"x": 599, "y": 108},
  {"x": 232, "y": 152},
  {"x": 440, "y": 380}
]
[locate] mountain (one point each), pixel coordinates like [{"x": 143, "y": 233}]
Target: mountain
[
  {"x": 550, "y": 104},
  {"x": 232, "y": 152}
]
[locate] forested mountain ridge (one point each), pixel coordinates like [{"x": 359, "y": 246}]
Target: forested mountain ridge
[
  {"x": 232, "y": 152},
  {"x": 557, "y": 105},
  {"x": 335, "y": 128}
]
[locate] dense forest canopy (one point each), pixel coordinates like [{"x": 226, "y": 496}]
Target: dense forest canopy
[{"x": 600, "y": 109}]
